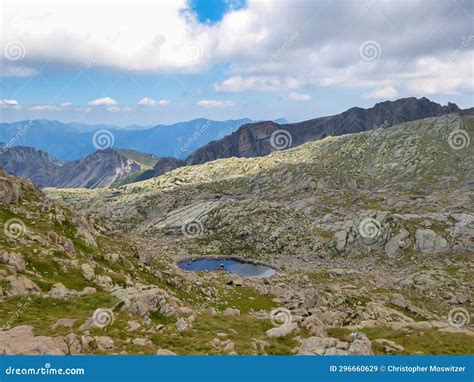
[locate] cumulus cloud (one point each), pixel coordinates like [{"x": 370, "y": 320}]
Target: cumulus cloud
[
  {"x": 9, "y": 103},
  {"x": 270, "y": 45},
  {"x": 215, "y": 103},
  {"x": 146, "y": 101},
  {"x": 257, "y": 83},
  {"x": 387, "y": 92},
  {"x": 105, "y": 101},
  {"x": 294, "y": 96}
]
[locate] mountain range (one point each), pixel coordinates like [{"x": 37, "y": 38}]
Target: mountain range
[
  {"x": 113, "y": 167},
  {"x": 70, "y": 141}
]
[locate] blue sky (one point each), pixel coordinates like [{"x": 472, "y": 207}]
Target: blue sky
[{"x": 151, "y": 62}]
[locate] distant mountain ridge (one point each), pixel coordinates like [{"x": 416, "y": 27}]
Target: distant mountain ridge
[
  {"x": 70, "y": 141},
  {"x": 114, "y": 167},
  {"x": 104, "y": 168},
  {"x": 253, "y": 140}
]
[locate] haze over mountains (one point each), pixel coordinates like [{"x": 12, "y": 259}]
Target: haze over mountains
[
  {"x": 116, "y": 166},
  {"x": 69, "y": 141}
]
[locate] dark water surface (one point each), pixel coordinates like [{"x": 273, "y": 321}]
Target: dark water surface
[{"x": 238, "y": 267}]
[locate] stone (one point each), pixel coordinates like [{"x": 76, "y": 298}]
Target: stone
[
  {"x": 20, "y": 285},
  {"x": 89, "y": 290},
  {"x": 164, "y": 352},
  {"x": 314, "y": 325},
  {"x": 88, "y": 272},
  {"x": 22, "y": 340},
  {"x": 104, "y": 343},
  {"x": 231, "y": 312},
  {"x": 133, "y": 325},
  {"x": 427, "y": 241},
  {"x": 360, "y": 345},
  {"x": 282, "y": 330},
  {"x": 390, "y": 346},
  {"x": 16, "y": 261},
  {"x": 140, "y": 342},
  {"x": 60, "y": 291},
  {"x": 182, "y": 325}
]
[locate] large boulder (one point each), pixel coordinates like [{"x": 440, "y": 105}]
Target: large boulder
[
  {"x": 282, "y": 330},
  {"x": 359, "y": 345},
  {"x": 371, "y": 231},
  {"x": 428, "y": 241},
  {"x": 22, "y": 340},
  {"x": 144, "y": 299}
]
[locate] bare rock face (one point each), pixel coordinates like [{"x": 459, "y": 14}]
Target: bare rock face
[
  {"x": 371, "y": 231},
  {"x": 15, "y": 260},
  {"x": 20, "y": 285},
  {"x": 22, "y": 340},
  {"x": 253, "y": 140},
  {"x": 143, "y": 300},
  {"x": 315, "y": 326},
  {"x": 166, "y": 164},
  {"x": 359, "y": 345},
  {"x": 428, "y": 241}
]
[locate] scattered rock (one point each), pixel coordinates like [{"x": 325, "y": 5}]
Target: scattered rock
[
  {"x": 231, "y": 312},
  {"x": 282, "y": 330}
]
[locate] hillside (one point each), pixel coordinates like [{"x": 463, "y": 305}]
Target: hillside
[
  {"x": 255, "y": 139},
  {"x": 104, "y": 168},
  {"x": 370, "y": 231}
]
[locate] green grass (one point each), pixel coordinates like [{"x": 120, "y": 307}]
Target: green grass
[
  {"x": 41, "y": 313},
  {"x": 428, "y": 342},
  {"x": 241, "y": 330}
]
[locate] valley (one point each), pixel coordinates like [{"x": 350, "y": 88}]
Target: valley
[{"x": 370, "y": 233}]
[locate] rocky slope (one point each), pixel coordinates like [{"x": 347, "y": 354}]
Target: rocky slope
[
  {"x": 255, "y": 139},
  {"x": 104, "y": 168},
  {"x": 371, "y": 235}
]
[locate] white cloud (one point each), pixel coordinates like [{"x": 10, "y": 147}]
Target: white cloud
[
  {"x": 66, "y": 104},
  {"x": 9, "y": 103},
  {"x": 146, "y": 101},
  {"x": 270, "y": 45},
  {"x": 215, "y": 103},
  {"x": 256, "y": 83},
  {"x": 105, "y": 101},
  {"x": 387, "y": 92},
  {"x": 294, "y": 96},
  {"x": 113, "y": 109}
]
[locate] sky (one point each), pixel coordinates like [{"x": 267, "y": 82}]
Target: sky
[{"x": 148, "y": 62}]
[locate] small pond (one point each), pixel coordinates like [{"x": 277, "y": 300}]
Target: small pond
[{"x": 238, "y": 267}]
